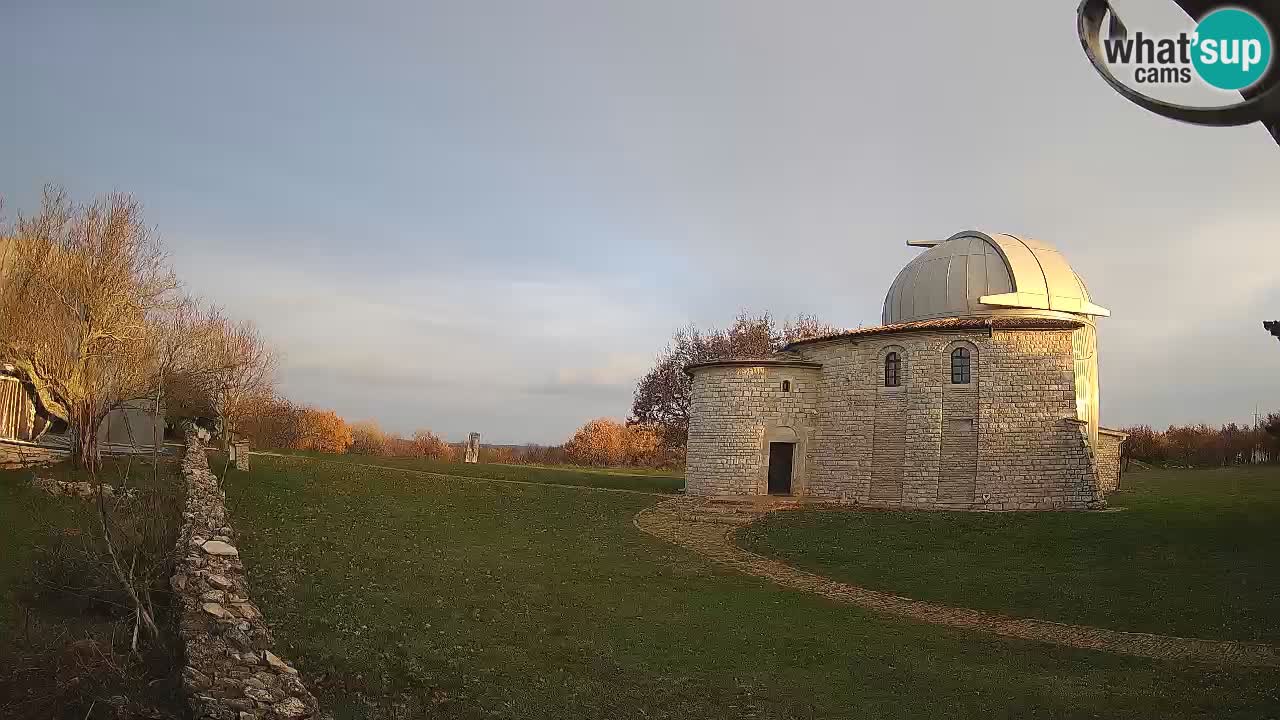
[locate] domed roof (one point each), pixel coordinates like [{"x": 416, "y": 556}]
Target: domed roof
[{"x": 976, "y": 274}]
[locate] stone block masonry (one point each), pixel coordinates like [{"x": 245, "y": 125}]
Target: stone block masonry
[
  {"x": 231, "y": 672},
  {"x": 735, "y": 412},
  {"x": 240, "y": 455},
  {"x": 1008, "y": 439},
  {"x": 1110, "y": 444}
]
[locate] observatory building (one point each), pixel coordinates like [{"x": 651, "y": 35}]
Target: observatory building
[{"x": 979, "y": 391}]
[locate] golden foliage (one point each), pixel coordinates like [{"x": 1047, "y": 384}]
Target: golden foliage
[
  {"x": 82, "y": 287},
  {"x": 605, "y": 442},
  {"x": 370, "y": 439},
  {"x": 92, "y": 318},
  {"x": 323, "y": 431},
  {"x": 367, "y": 438},
  {"x": 427, "y": 444}
]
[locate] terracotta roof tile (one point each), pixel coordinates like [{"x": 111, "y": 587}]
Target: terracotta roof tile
[
  {"x": 1008, "y": 322},
  {"x": 775, "y": 361}
]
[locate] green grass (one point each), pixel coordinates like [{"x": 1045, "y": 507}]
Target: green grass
[
  {"x": 644, "y": 481},
  {"x": 403, "y": 595},
  {"x": 1192, "y": 552},
  {"x": 623, "y": 471},
  {"x": 57, "y": 598},
  {"x": 27, "y": 517}
]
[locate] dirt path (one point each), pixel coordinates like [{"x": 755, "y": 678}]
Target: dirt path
[{"x": 706, "y": 527}]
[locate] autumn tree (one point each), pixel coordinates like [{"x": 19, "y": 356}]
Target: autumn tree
[
  {"x": 662, "y": 396},
  {"x": 605, "y": 442},
  {"x": 643, "y": 446},
  {"x": 599, "y": 442},
  {"x": 367, "y": 438},
  {"x": 273, "y": 422},
  {"x": 1203, "y": 445},
  {"x": 212, "y": 367},
  {"x": 429, "y": 445},
  {"x": 91, "y": 318},
  {"x": 239, "y": 368},
  {"x": 323, "y": 431},
  {"x": 84, "y": 287},
  {"x": 498, "y": 454}
]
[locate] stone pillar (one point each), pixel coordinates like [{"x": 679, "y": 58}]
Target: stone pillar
[
  {"x": 240, "y": 455},
  {"x": 473, "y": 448}
]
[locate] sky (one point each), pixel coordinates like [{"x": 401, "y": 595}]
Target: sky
[{"x": 491, "y": 216}]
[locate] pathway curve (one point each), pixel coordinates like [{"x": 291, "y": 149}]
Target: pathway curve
[{"x": 706, "y": 526}]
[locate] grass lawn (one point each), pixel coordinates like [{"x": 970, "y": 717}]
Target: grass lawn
[
  {"x": 64, "y": 629},
  {"x": 1192, "y": 552},
  {"x": 657, "y": 481},
  {"x": 403, "y": 595},
  {"x": 27, "y": 516}
]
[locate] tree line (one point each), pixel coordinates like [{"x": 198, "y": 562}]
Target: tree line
[
  {"x": 1203, "y": 445},
  {"x": 284, "y": 425}
]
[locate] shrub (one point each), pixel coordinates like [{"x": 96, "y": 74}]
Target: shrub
[
  {"x": 368, "y": 439},
  {"x": 604, "y": 442}
]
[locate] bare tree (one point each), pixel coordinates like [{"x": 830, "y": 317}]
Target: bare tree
[
  {"x": 91, "y": 316},
  {"x": 662, "y": 396},
  {"x": 243, "y": 369},
  {"x": 213, "y": 367},
  {"x": 83, "y": 287}
]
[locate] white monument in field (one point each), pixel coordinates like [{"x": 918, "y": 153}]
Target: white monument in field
[{"x": 473, "y": 448}]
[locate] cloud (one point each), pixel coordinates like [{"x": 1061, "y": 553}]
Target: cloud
[
  {"x": 619, "y": 370},
  {"x": 440, "y": 345},
  {"x": 447, "y": 217}
]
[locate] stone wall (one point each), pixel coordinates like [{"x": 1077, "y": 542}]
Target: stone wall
[
  {"x": 1003, "y": 442},
  {"x": 1110, "y": 443},
  {"x": 1033, "y": 456},
  {"x": 231, "y": 672},
  {"x": 735, "y": 411}
]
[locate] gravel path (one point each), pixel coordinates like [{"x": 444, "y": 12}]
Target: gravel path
[{"x": 706, "y": 526}]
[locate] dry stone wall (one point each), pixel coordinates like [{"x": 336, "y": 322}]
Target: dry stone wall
[{"x": 231, "y": 672}]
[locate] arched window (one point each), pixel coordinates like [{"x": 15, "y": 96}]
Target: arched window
[
  {"x": 960, "y": 366},
  {"x": 891, "y": 367},
  {"x": 786, "y": 386}
]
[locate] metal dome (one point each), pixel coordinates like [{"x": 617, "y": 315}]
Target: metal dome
[{"x": 976, "y": 274}]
